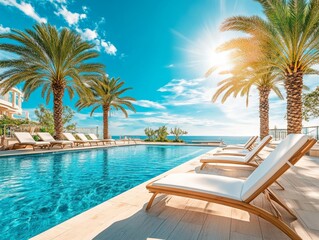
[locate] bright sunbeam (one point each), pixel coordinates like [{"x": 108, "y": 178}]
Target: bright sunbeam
[{"x": 201, "y": 54}]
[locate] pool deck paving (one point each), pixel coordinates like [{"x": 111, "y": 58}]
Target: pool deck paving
[{"x": 172, "y": 217}]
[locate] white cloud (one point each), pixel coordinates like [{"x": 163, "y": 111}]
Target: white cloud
[
  {"x": 170, "y": 66},
  {"x": 71, "y": 18},
  {"x": 4, "y": 29},
  {"x": 87, "y": 34},
  {"x": 58, "y": 1},
  {"x": 148, "y": 104},
  {"x": 101, "y": 44},
  {"x": 26, "y": 8},
  {"x": 108, "y": 47},
  {"x": 188, "y": 92},
  {"x": 85, "y": 9}
]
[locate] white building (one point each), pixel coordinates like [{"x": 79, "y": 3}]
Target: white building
[{"x": 11, "y": 103}]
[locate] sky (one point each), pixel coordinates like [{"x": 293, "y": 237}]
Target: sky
[{"x": 162, "y": 49}]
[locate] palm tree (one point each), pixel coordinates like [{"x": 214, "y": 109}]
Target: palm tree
[
  {"x": 106, "y": 93},
  {"x": 48, "y": 58},
  {"x": 248, "y": 71},
  {"x": 292, "y": 29}
]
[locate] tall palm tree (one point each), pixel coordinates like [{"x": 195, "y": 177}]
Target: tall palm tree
[
  {"x": 107, "y": 93},
  {"x": 292, "y": 29},
  {"x": 55, "y": 60},
  {"x": 248, "y": 71}
]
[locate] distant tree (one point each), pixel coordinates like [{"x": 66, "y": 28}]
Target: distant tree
[
  {"x": 178, "y": 132},
  {"x": 45, "y": 117},
  {"x": 108, "y": 95},
  {"x": 310, "y": 105},
  {"x": 161, "y": 134},
  {"x": 8, "y": 121},
  {"x": 5, "y": 120},
  {"x": 150, "y": 133}
]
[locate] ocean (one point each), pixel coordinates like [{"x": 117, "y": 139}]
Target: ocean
[{"x": 190, "y": 139}]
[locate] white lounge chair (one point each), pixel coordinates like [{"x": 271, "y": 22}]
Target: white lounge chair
[
  {"x": 247, "y": 146},
  {"x": 45, "y": 136},
  {"x": 25, "y": 139},
  {"x": 85, "y": 139},
  {"x": 238, "y": 193},
  {"x": 70, "y": 137},
  {"x": 237, "y": 158},
  {"x": 108, "y": 140}
]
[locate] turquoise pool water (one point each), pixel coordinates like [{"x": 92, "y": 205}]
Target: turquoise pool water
[{"x": 38, "y": 192}]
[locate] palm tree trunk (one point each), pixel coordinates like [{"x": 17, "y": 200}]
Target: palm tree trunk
[
  {"x": 106, "y": 110},
  {"x": 58, "y": 92},
  {"x": 294, "y": 85},
  {"x": 264, "y": 111}
]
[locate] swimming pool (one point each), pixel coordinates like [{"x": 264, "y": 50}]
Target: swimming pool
[{"x": 40, "y": 191}]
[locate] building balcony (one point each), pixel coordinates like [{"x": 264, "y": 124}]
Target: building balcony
[{"x": 11, "y": 103}]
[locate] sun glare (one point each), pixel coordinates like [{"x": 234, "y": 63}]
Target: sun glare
[{"x": 201, "y": 53}]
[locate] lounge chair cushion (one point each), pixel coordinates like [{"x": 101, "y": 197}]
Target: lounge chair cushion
[
  {"x": 84, "y": 138},
  {"x": 41, "y": 143},
  {"x": 229, "y": 151},
  {"x": 24, "y": 137},
  {"x": 203, "y": 183},
  {"x": 69, "y": 136},
  {"x": 61, "y": 142},
  {"x": 223, "y": 158},
  {"x": 275, "y": 160},
  {"x": 258, "y": 148},
  {"x": 45, "y": 136}
]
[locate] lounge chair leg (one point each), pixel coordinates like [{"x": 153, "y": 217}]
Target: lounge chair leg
[
  {"x": 202, "y": 167},
  {"x": 282, "y": 188},
  {"x": 280, "y": 203},
  {"x": 273, "y": 220},
  {"x": 150, "y": 202}
]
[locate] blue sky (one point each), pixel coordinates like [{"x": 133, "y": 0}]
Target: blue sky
[{"x": 160, "y": 48}]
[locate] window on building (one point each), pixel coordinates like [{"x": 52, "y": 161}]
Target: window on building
[
  {"x": 10, "y": 96},
  {"x": 17, "y": 99}
]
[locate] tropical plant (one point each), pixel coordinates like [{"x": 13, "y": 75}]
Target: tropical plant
[
  {"x": 177, "y": 132},
  {"x": 107, "y": 93},
  {"x": 249, "y": 71},
  {"x": 46, "y": 119},
  {"x": 310, "y": 105},
  {"x": 6, "y": 121},
  {"x": 150, "y": 133},
  {"x": 161, "y": 134},
  {"x": 291, "y": 28},
  {"x": 56, "y": 60}
]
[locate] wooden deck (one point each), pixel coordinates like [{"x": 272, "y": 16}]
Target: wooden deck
[{"x": 124, "y": 217}]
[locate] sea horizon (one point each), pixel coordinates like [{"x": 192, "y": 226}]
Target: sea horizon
[{"x": 189, "y": 138}]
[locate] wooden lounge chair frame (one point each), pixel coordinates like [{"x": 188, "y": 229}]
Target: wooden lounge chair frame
[
  {"x": 61, "y": 143},
  {"x": 75, "y": 141},
  {"x": 246, "y": 205},
  {"x": 249, "y": 162},
  {"x": 33, "y": 145},
  {"x": 103, "y": 141},
  {"x": 84, "y": 139},
  {"x": 249, "y": 145}
]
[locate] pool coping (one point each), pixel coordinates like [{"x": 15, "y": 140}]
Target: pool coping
[{"x": 66, "y": 226}]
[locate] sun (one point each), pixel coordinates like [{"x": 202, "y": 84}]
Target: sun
[
  {"x": 218, "y": 60},
  {"x": 201, "y": 52}
]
